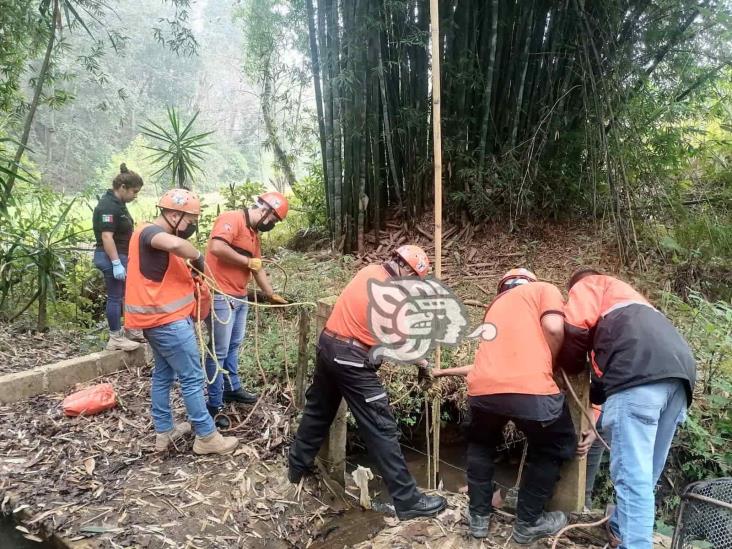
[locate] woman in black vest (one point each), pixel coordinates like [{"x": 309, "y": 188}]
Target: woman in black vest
[{"x": 113, "y": 226}]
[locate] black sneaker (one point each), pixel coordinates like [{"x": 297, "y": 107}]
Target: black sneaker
[
  {"x": 479, "y": 525},
  {"x": 547, "y": 525},
  {"x": 221, "y": 421},
  {"x": 240, "y": 396},
  {"x": 425, "y": 506}
]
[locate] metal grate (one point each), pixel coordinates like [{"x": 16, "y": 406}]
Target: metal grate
[{"x": 705, "y": 516}]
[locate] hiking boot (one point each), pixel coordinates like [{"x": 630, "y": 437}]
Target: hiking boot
[
  {"x": 214, "y": 444},
  {"x": 479, "y": 525},
  {"x": 220, "y": 419},
  {"x": 547, "y": 525},
  {"x": 135, "y": 334},
  {"x": 425, "y": 506},
  {"x": 240, "y": 396},
  {"x": 163, "y": 440},
  {"x": 118, "y": 342},
  {"x": 294, "y": 476}
]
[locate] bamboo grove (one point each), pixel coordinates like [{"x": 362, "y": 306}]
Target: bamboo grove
[{"x": 535, "y": 102}]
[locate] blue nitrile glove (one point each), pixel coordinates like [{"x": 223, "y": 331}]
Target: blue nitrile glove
[{"x": 118, "y": 270}]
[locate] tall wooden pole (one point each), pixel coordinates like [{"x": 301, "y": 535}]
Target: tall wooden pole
[{"x": 437, "y": 142}]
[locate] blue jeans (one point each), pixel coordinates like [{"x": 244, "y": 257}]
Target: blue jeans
[
  {"x": 639, "y": 424},
  {"x": 176, "y": 354},
  {"x": 226, "y": 329},
  {"x": 115, "y": 288},
  {"x": 594, "y": 460}
]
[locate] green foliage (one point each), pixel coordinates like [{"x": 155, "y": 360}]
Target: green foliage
[
  {"x": 36, "y": 249},
  {"x": 276, "y": 331},
  {"x": 180, "y": 151},
  {"x": 310, "y": 193},
  {"x": 239, "y": 197},
  {"x": 703, "y": 447}
]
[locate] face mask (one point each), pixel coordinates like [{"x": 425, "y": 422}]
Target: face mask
[
  {"x": 265, "y": 227},
  {"x": 188, "y": 232}
]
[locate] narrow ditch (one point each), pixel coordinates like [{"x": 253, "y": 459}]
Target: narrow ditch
[
  {"x": 12, "y": 538},
  {"x": 356, "y": 525}
]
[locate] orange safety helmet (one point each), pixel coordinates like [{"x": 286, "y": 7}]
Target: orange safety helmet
[
  {"x": 415, "y": 257},
  {"x": 180, "y": 200},
  {"x": 276, "y": 201},
  {"x": 520, "y": 276}
]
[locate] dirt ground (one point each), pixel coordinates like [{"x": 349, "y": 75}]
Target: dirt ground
[
  {"x": 96, "y": 481},
  {"x": 22, "y": 349},
  {"x": 99, "y": 478}
]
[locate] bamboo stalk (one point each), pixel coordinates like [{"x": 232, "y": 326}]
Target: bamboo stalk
[{"x": 433, "y": 480}]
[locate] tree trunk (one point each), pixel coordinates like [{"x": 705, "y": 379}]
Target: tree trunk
[
  {"x": 488, "y": 87},
  {"x": 282, "y": 161},
  {"x": 336, "y": 93},
  {"x": 315, "y": 65},
  {"x": 7, "y": 192}
]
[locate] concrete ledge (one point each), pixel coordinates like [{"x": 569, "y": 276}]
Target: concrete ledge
[{"x": 53, "y": 378}]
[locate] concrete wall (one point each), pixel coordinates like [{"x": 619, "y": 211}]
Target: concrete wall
[{"x": 53, "y": 378}]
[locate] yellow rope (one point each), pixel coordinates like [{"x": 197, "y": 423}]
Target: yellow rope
[{"x": 213, "y": 286}]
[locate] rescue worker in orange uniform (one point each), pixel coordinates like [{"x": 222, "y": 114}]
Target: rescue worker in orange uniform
[
  {"x": 232, "y": 257},
  {"x": 643, "y": 374},
  {"x": 160, "y": 300},
  {"x": 343, "y": 370},
  {"x": 511, "y": 379}
]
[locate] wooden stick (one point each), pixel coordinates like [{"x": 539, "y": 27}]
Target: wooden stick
[
  {"x": 302, "y": 360},
  {"x": 433, "y": 481}
]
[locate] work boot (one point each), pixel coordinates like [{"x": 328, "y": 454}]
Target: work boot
[
  {"x": 479, "y": 525},
  {"x": 135, "y": 334},
  {"x": 425, "y": 506},
  {"x": 118, "y": 342},
  {"x": 294, "y": 476},
  {"x": 214, "y": 444},
  {"x": 163, "y": 440},
  {"x": 548, "y": 524},
  {"x": 220, "y": 419},
  {"x": 240, "y": 396}
]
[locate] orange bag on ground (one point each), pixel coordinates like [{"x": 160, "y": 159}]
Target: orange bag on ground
[{"x": 90, "y": 401}]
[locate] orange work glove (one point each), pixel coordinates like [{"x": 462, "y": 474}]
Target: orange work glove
[
  {"x": 255, "y": 264},
  {"x": 277, "y": 299}
]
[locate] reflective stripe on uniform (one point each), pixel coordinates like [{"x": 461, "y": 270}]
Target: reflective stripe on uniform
[
  {"x": 157, "y": 309},
  {"x": 376, "y": 397},
  {"x": 349, "y": 363}
]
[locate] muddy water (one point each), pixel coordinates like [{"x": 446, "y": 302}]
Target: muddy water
[
  {"x": 452, "y": 466},
  {"x": 356, "y": 525},
  {"x": 10, "y": 538}
]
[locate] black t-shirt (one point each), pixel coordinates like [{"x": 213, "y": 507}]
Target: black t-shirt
[
  {"x": 111, "y": 215},
  {"x": 153, "y": 263}
]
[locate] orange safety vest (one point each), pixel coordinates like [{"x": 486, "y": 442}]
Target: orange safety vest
[{"x": 148, "y": 303}]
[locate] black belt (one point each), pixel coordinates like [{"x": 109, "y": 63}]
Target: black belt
[{"x": 350, "y": 340}]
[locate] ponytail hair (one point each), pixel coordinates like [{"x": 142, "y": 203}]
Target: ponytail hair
[{"x": 127, "y": 177}]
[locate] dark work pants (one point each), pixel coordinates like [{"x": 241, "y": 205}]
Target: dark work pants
[
  {"x": 343, "y": 371},
  {"x": 549, "y": 446}
]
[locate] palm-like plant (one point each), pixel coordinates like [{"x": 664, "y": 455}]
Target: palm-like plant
[
  {"x": 34, "y": 251},
  {"x": 180, "y": 149}
]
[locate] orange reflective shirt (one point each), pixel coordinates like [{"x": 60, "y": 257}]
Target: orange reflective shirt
[
  {"x": 232, "y": 228},
  {"x": 350, "y": 312},
  {"x": 518, "y": 360}
]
